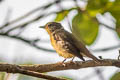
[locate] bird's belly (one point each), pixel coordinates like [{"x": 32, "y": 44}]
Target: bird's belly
[{"x": 61, "y": 51}]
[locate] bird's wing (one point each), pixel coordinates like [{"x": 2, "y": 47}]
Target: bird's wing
[
  {"x": 65, "y": 42},
  {"x": 82, "y": 48}
]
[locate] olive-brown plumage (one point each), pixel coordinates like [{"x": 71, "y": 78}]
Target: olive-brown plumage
[{"x": 65, "y": 43}]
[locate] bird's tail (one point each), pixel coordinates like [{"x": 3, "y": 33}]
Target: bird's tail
[
  {"x": 95, "y": 58},
  {"x": 89, "y": 54},
  {"x": 80, "y": 56}
]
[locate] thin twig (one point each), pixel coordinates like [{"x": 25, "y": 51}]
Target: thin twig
[
  {"x": 30, "y": 21},
  {"x": 7, "y": 16},
  {"x": 119, "y": 55},
  {"x": 38, "y": 47},
  {"x": 39, "y": 75},
  {"x": 105, "y": 25},
  {"x": 26, "y": 15},
  {"x": 60, "y": 6},
  {"x": 107, "y": 49},
  {"x": 99, "y": 73},
  {"x": 29, "y": 42},
  {"x": 89, "y": 76}
]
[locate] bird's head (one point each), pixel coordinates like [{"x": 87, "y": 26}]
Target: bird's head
[{"x": 52, "y": 26}]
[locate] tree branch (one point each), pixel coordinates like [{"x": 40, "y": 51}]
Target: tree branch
[
  {"x": 59, "y": 66},
  {"x": 71, "y": 65},
  {"x": 37, "y": 70},
  {"x": 10, "y": 68},
  {"x": 39, "y": 75}
]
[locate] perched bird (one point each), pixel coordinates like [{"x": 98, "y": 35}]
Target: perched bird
[{"x": 65, "y": 43}]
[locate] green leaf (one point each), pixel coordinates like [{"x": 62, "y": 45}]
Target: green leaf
[
  {"x": 96, "y": 6},
  {"x": 85, "y": 28},
  {"x": 116, "y": 76},
  {"x": 115, "y": 11},
  {"x": 2, "y": 75},
  {"x": 62, "y": 14}
]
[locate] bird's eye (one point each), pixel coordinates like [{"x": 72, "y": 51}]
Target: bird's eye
[{"x": 49, "y": 24}]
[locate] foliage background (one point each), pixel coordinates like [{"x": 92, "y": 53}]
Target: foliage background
[{"x": 96, "y": 22}]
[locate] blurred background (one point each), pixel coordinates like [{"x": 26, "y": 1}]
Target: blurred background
[{"x": 96, "y": 22}]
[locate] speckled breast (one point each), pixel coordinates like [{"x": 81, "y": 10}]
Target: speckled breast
[{"x": 58, "y": 46}]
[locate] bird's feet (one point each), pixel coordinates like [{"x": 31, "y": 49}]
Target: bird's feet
[{"x": 63, "y": 62}]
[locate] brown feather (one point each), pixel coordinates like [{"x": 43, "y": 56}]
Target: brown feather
[
  {"x": 63, "y": 45},
  {"x": 81, "y": 47}
]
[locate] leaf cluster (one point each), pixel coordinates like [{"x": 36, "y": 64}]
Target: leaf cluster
[{"x": 85, "y": 25}]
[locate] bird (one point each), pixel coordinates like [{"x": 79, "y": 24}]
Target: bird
[{"x": 66, "y": 44}]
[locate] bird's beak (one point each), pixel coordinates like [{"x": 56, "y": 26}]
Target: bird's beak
[{"x": 42, "y": 27}]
